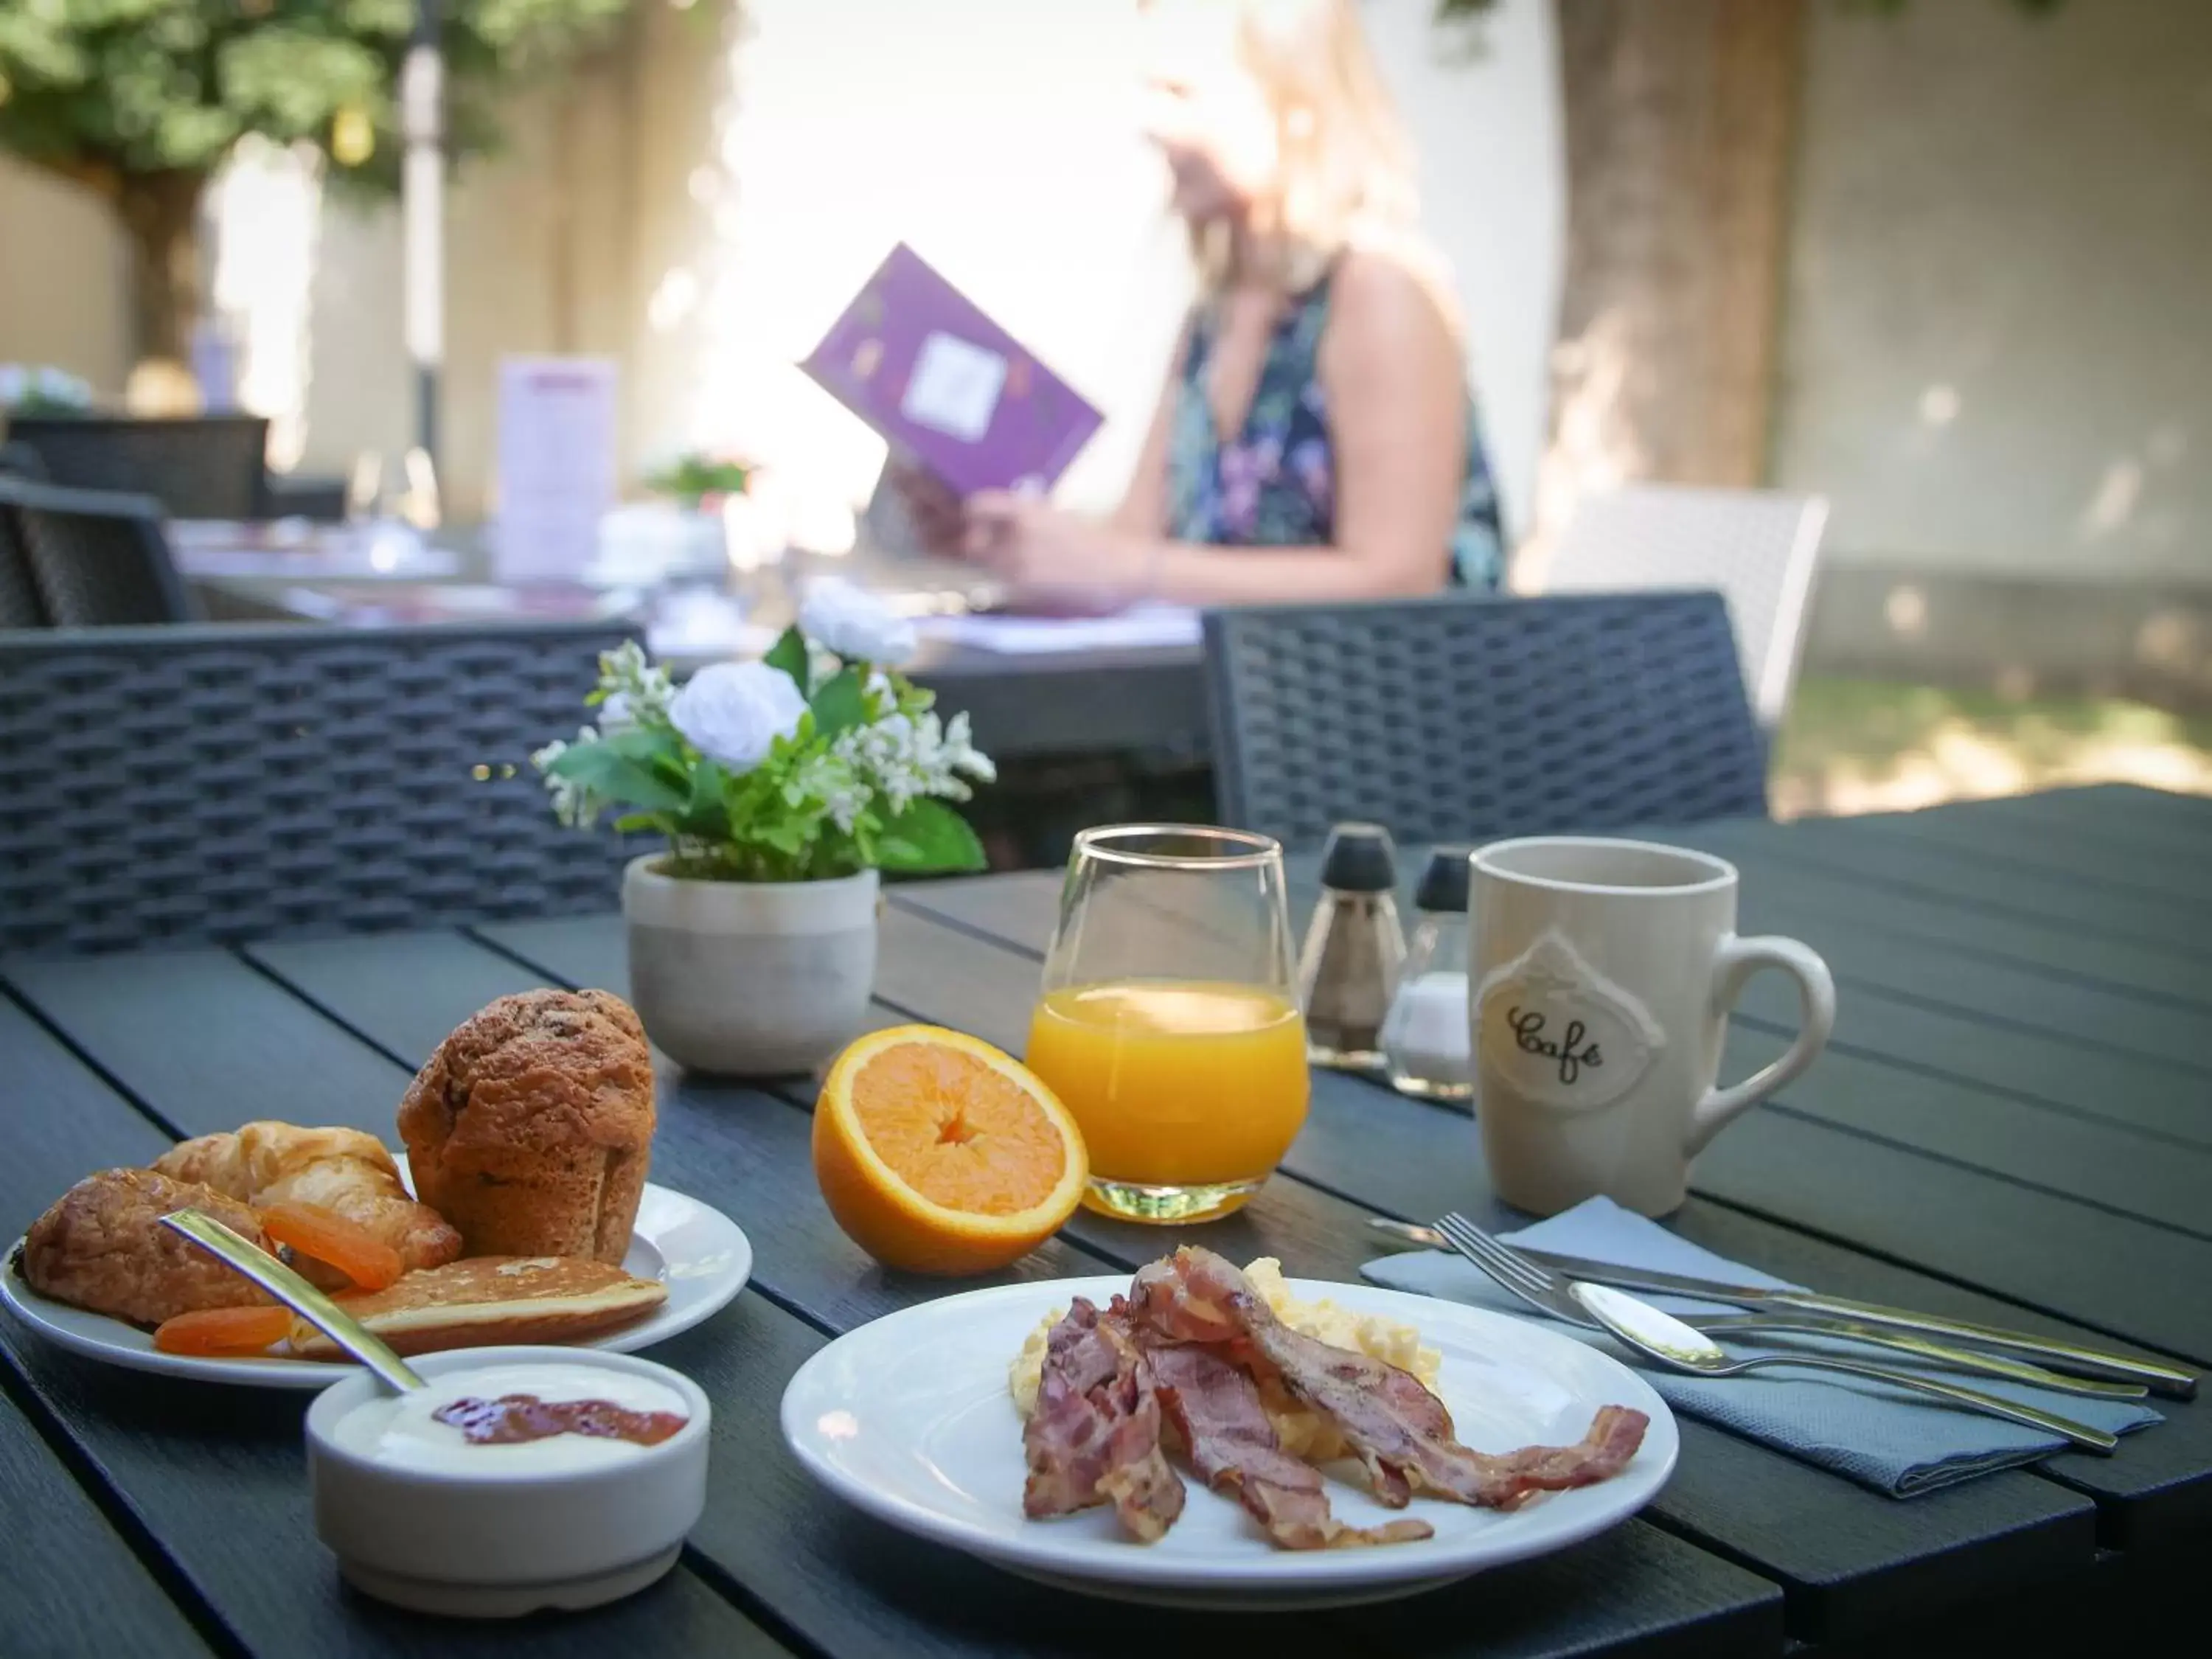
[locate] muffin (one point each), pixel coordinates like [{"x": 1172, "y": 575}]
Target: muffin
[{"x": 532, "y": 1127}]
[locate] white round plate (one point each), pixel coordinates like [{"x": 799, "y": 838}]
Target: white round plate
[
  {"x": 700, "y": 1254},
  {"x": 909, "y": 1419}
]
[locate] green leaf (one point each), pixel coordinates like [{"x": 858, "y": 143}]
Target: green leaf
[
  {"x": 841, "y": 704},
  {"x": 929, "y": 838},
  {"x": 789, "y": 653},
  {"x": 706, "y": 810},
  {"x": 603, "y": 770},
  {"x": 657, "y": 746}
]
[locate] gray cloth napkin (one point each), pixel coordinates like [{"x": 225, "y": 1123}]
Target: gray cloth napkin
[{"x": 1882, "y": 1437}]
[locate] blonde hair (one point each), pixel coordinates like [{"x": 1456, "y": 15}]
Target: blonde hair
[{"x": 1346, "y": 165}]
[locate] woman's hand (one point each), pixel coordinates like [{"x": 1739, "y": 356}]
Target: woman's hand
[
  {"x": 932, "y": 510},
  {"x": 1049, "y": 559}
]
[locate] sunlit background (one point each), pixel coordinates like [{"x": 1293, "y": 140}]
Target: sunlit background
[{"x": 1993, "y": 352}]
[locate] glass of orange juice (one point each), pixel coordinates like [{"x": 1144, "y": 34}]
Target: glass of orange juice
[{"x": 1168, "y": 1022}]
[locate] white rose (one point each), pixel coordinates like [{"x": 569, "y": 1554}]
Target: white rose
[
  {"x": 856, "y": 625},
  {"x": 14, "y": 381},
  {"x": 733, "y": 712}
]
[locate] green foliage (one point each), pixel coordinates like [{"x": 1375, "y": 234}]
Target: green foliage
[
  {"x": 111, "y": 88},
  {"x": 860, "y": 780},
  {"x": 693, "y": 478}
]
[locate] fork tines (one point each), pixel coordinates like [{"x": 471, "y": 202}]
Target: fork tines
[{"x": 1497, "y": 1258}]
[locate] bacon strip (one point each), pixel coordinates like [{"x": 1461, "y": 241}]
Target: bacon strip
[
  {"x": 1095, "y": 1435},
  {"x": 1400, "y": 1431},
  {"x": 1216, "y": 1407}
]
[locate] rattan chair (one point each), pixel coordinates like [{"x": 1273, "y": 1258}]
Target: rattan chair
[
  {"x": 97, "y": 560},
  {"x": 225, "y": 783},
  {"x": 19, "y": 589},
  {"x": 201, "y": 467},
  {"x": 21, "y": 461},
  {"x": 1464, "y": 718}
]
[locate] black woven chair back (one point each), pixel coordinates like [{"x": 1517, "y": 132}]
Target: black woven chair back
[
  {"x": 21, "y": 461},
  {"x": 97, "y": 560},
  {"x": 201, "y": 467},
  {"x": 19, "y": 591},
  {"x": 220, "y": 784},
  {"x": 1466, "y": 719}
]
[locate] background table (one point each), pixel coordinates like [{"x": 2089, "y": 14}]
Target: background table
[
  {"x": 2011, "y": 1124},
  {"x": 1084, "y": 702}
]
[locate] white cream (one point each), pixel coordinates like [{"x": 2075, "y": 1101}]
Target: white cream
[{"x": 401, "y": 1432}]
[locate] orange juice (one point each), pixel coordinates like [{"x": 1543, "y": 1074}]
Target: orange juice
[{"x": 1176, "y": 1083}]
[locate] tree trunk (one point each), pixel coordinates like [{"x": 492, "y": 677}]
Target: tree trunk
[
  {"x": 161, "y": 212},
  {"x": 1679, "y": 120}
]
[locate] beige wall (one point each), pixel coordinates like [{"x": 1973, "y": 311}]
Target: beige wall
[
  {"x": 64, "y": 272},
  {"x": 1998, "y": 351}
]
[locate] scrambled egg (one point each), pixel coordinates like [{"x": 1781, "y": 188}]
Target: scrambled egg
[{"x": 1303, "y": 1433}]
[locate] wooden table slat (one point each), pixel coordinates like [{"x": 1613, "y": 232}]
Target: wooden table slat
[
  {"x": 1926, "y": 871},
  {"x": 61, "y": 1547}
]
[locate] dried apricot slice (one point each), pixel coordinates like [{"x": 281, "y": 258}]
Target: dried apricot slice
[
  {"x": 215, "y": 1331},
  {"x": 328, "y": 1237}
]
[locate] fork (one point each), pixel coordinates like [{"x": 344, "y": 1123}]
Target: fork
[{"x": 1666, "y": 1341}]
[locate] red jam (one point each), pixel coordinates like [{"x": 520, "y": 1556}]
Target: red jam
[{"x": 514, "y": 1418}]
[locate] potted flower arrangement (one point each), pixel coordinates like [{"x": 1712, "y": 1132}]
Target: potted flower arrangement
[
  {"x": 42, "y": 391},
  {"x": 782, "y": 787}
]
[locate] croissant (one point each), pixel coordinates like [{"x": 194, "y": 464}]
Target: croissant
[{"x": 345, "y": 1170}]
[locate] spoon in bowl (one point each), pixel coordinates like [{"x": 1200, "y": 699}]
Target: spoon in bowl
[{"x": 242, "y": 1255}]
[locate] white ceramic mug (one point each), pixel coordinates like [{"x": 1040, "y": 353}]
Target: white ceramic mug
[{"x": 1603, "y": 974}]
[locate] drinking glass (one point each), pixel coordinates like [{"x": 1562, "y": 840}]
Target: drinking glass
[{"x": 1169, "y": 1019}]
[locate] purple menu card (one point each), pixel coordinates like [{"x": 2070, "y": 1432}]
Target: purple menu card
[{"x": 948, "y": 387}]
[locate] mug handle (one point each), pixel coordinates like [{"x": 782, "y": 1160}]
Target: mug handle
[{"x": 1735, "y": 961}]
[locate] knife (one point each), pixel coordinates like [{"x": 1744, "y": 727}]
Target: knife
[{"x": 2054, "y": 1352}]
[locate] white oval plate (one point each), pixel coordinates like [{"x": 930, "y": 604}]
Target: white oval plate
[
  {"x": 700, "y": 1254},
  {"x": 909, "y": 1419}
]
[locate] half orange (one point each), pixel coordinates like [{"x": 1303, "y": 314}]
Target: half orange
[{"x": 939, "y": 1154}]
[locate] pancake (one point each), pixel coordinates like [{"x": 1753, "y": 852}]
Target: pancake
[{"x": 490, "y": 1300}]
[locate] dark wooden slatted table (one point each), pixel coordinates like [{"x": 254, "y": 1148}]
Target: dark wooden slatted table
[{"x": 2013, "y": 1124}]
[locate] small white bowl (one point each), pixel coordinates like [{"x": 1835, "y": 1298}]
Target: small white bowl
[{"x": 500, "y": 1546}]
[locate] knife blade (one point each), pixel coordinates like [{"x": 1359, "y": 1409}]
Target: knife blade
[{"x": 2053, "y": 1352}]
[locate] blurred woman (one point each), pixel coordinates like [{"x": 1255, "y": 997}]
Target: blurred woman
[{"x": 1316, "y": 439}]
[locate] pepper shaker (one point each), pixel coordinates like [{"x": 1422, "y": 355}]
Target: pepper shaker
[
  {"x": 1348, "y": 968},
  {"x": 1427, "y": 1045}
]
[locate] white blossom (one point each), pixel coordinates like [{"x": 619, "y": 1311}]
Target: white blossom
[
  {"x": 832, "y": 780},
  {"x": 855, "y": 624},
  {"x": 733, "y": 712},
  {"x": 574, "y": 805},
  {"x": 14, "y": 381},
  {"x": 634, "y": 689},
  {"x": 910, "y": 757}
]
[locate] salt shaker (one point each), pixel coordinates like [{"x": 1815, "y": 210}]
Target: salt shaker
[
  {"x": 1348, "y": 968},
  {"x": 1426, "y": 1043}
]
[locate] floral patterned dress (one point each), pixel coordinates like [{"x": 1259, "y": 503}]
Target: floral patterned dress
[{"x": 1274, "y": 483}]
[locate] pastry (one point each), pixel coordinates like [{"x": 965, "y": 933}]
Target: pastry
[
  {"x": 490, "y": 1299},
  {"x": 531, "y": 1126},
  {"x": 102, "y": 1247},
  {"x": 343, "y": 1170}
]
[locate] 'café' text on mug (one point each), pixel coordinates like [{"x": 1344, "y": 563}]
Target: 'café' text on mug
[{"x": 1566, "y": 1036}]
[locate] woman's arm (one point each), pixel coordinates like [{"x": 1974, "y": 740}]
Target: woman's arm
[
  {"x": 1390, "y": 370},
  {"x": 1144, "y": 509}
]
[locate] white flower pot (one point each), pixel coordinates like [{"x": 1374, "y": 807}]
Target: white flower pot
[{"x": 750, "y": 979}]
